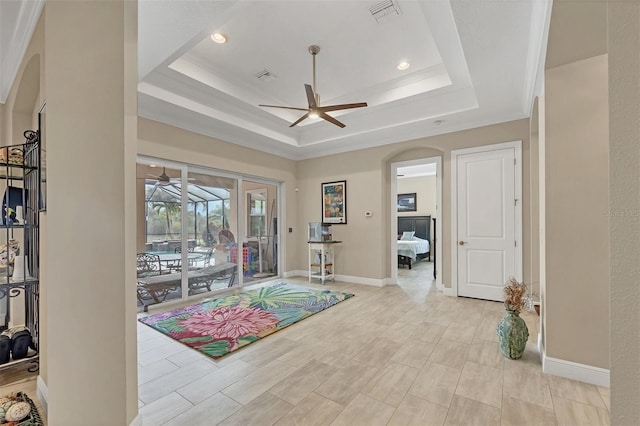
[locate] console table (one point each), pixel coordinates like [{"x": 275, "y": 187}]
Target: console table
[{"x": 322, "y": 260}]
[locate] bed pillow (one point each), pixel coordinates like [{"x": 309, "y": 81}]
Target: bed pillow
[{"x": 407, "y": 235}]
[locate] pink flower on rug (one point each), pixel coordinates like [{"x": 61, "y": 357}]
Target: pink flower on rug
[{"x": 229, "y": 323}]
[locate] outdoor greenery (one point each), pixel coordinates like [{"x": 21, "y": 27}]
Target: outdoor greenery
[{"x": 164, "y": 220}]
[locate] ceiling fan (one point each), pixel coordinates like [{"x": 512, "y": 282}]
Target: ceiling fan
[
  {"x": 313, "y": 98},
  {"x": 164, "y": 179}
]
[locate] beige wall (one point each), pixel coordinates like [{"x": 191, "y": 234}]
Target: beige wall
[
  {"x": 91, "y": 136},
  {"x": 425, "y": 189},
  {"x": 624, "y": 186},
  {"x": 577, "y": 224},
  {"x": 368, "y": 189},
  {"x": 534, "y": 196},
  {"x": 163, "y": 141},
  {"x": 3, "y": 126}
]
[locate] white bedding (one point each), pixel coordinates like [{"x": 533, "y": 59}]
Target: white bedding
[{"x": 411, "y": 248}]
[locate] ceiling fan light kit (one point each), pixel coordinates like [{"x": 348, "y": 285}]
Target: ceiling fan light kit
[
  {"x": 314, "y": 109},
  {"x": 163, "y": 178}
]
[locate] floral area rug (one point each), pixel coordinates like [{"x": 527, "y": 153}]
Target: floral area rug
[{"x": 219, "y": 326}]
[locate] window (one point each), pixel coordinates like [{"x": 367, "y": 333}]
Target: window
[{"x": 256, "y": 212}]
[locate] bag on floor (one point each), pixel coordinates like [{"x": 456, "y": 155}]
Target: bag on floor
[
  {"x": 19, "y": 341},
  {"x": 5, "y": 348}
]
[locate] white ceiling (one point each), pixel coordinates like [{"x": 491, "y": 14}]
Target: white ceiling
[
  {"x": 417, "y": 170},
  {"x": 473, "y": 63}
]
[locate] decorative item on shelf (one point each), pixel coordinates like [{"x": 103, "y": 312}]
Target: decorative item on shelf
[
  {"x": 13, "y": 198},
  {"x": 11, "y": 155},
  {"x": 19, "y": 268},
  {"x": 512, "y": 330},
  {"x": 8, "y": 251}
]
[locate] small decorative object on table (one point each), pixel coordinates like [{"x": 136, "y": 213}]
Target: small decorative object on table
[{"x": 512, "y": 330}]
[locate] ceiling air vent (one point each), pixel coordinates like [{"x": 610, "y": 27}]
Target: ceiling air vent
[
  {"x": 265, "y": 75},
  {"x": 384, "y": 11}
]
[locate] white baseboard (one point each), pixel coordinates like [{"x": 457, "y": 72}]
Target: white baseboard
[
  {"x": 362, "y": 280},
  {"x": 295, "y": 273},
  {"x": 448, "y": 291},
  {"x": 575, "y": 371},
  {"x": 346, "y": 278},
  {"x": 137, "y": 421},
  {"x": 389, "y": 281},
  {"x": 540, "y": 347},
  {"x": 43, "y": 393}
]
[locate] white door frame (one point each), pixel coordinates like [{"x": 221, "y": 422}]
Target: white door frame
[
  {"x": 438, "y": 215},
  {"x": 517, "y": 145}
]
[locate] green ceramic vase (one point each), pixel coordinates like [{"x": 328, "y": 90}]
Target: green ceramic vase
[{"x": 512, "y": 335}]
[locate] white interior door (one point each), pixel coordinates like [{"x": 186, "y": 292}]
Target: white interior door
[{"x": 486, "y": 222}]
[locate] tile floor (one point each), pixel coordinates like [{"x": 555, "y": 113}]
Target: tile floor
[{"x": 398, "y": 355}]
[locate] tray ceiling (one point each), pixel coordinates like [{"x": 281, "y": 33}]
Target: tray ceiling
[{"x": 472, "y": 63}]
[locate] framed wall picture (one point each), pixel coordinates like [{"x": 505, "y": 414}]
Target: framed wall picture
[
  {"x": 407, "y": 202},
  {"x": 334, "y": 202}
]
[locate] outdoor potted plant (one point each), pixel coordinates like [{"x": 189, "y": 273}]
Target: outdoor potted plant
[{"x": 512, "y": 330}]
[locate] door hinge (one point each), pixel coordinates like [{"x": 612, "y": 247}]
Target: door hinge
[
  {"x": 515, "y": 244},
  {"x": 515, "y": 201},
  {"x": 514, "y": 161}
]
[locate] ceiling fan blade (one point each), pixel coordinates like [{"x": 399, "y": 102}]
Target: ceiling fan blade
[
  {"x": 311, "y": 98},
  {"x": 284, "y": 107},
  {"x": 342, "y": 106},
  {"x": 330, "y": 119},
  {"x": 299, "y": 119}
]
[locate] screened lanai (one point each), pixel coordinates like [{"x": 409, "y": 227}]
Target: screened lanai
[
  {"x": 183, "y": 219},
  {"x": 208, "y": 210},
  {"x": 193, "y": 238}
]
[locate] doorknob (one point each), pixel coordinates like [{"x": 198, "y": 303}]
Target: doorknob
[{"x": 462, "y": 242}]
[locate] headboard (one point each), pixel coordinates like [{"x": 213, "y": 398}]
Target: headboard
[{"x": 420, "y": 224}]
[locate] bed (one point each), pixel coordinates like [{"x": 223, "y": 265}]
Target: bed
[
  {"x": 412, "y": 250},
  {"x": 414, "y": 237}
]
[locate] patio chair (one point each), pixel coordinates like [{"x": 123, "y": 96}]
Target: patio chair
[
  {"x": 226, "y": 237},
  {"x": 179, "y": 249},
  {"x": 202, "y": 262},
  {"x": 148, "y": 265}
]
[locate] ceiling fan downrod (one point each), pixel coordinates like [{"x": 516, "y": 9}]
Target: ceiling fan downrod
[
  {"x": 314, "y": 110},
  {"x": 314, "y": 49}
]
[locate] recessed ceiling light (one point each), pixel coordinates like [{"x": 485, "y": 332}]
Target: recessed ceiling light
[
  {"x": 152, "y": 165},
  {"x": 219, "y": 38},
  {"x": 403, "y": 65}
]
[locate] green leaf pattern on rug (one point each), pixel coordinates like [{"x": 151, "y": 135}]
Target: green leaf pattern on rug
[
  {"x": 171, "y": 325},
  {"x": 240, "y": 319},
  {"x": 215, "y": 349}
]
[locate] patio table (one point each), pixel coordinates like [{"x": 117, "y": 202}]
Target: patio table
[{"x": 159, "y": 286}]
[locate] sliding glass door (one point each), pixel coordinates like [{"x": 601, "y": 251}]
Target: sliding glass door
[
  {"x": 260, "y": 247},
  {"x": 202, "y": 231},
  {"x": 211, "y": 221}
]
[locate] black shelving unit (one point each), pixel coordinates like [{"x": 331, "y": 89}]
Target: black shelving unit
[{"x": 20, "y": 184}]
